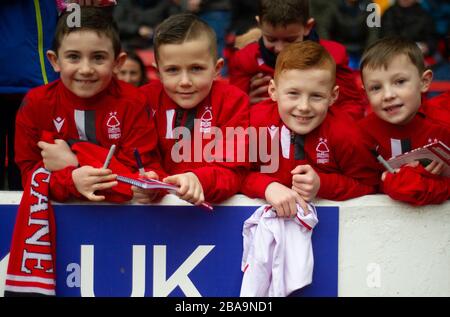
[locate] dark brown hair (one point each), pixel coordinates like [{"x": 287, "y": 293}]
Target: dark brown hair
[
  {"x": 135, "y": 57},
  {"x": 95, "y": 19},
  {"x": 183, "y": 27},
  {"x": 283, "y": 12}
]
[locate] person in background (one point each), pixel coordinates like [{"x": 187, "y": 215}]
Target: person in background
[
  {"x": 133, "y": 71},
  {"x": 137, "y": 20},
  {"x": 26, "y": 29},
  {"x": 407, "y": 19},
  {"x": 346, "y": 23},
  {"x": 217, "y": 14}
]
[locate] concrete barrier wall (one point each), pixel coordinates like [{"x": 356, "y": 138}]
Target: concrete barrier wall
[{"x": 385, "y": 248}]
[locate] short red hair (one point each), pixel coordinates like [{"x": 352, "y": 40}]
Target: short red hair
[{"x": 305, "y": 55}]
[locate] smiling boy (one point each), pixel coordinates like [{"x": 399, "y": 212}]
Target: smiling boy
[
  {"x": 188, "y": 97},
  {"x": 320, "y": 152},
  {"x": 87, "y": 103},
  {"x": 395, "y": 77}
]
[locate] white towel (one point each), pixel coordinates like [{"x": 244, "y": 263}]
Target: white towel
[{"x": 278, "y": 257}]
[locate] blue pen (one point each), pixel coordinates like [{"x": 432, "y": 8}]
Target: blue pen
[{"x": 137, "y": 156}]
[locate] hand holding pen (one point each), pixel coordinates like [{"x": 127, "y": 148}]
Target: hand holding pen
[
  {"x": 143, "y": 174},
  {"x": 382, "y": 161}
]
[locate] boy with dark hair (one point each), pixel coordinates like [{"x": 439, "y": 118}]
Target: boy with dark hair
[
  {"x": 319, "y": 150},
  {"x": 395, "y": 77},
  {"x": 283, "y": 22},
  {"x": 196, "y": 116},
  {"x": 88, "y": 104},
  {"x": 86, "y": 107}
]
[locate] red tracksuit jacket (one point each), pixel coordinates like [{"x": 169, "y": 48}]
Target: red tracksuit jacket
[
  {"x": 225, "y": 106},
  {"x": 412, "y": 185},
  {"x": 333, "y": 149},
  {"x": 438, "y": 108},
  {"x": 247, "y": 62},
  {"x": 118, "y": 115}
]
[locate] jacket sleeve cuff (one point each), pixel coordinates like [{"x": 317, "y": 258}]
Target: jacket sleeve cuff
[
  {"x": 62, "y": 186},
  {"x": 255, "y": 184},
  {"x": 204, "y": 176}
]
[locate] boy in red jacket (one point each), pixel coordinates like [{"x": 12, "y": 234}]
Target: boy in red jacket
[
  {"x": 91, "y": 110},
  {"x": 196, "y": 115},
  {"x": 320, "y": 153},
  {"x": 395, "y": 77},
  {"x": 86, "y": 104},
  {"x": 283, "y": 22}
]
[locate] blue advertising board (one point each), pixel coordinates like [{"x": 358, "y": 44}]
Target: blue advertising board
[{"x": 164, "y": 250}]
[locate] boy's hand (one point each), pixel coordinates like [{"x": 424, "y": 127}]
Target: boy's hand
[
  {"x": 284, "y": 200},
  {"x": 145, "y": 196},
  {"x": 305, "y": 181},
  {"x": 190, "y": 189},
  {"x": 88, "y": 179},
  {"x": 259, "y": 86},
  {"x": 57, "y": 156},
  {"x": 383, "y": 176},
  {"x": 435, "y": 167}
]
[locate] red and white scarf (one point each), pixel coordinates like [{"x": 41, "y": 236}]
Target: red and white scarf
[{"x": 31, "y": 267}]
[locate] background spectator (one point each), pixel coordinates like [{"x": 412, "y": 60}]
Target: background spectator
[
  {"x": 243, "y": 13},
  {"x": 346, "y": 22},
  {"x": 217, "y": 13},
  {"x": 137, "y": 19},
  {"x": 133, "y": 71},
  {"x": 440, "y": 11},
  {"x": 26, "y": 29},
  {"x": 406, "y": 18}
]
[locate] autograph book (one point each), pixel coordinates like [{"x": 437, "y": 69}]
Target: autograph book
[{"x": 437, "y": 151}]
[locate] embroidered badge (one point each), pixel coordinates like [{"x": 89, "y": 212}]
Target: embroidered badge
[
  {"x": 58, "y": 122},
  {"x": 206, "y": 121},
  {"x": 323, "y": 152},
  {"x": 113, "y": 125}
]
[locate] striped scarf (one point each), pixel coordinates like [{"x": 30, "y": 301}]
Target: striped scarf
[{"x": 31, "y": 268}]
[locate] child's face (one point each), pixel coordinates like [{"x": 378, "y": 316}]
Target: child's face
[
  {"x": 130, "y": 72},
  {"x": 395, "y": 93},
  {"x": 86, "y": 62},
  {"x": 303, "y": 97},
  {"x": 277, "y": 37},
  {"x": 187, "y": 71}
]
